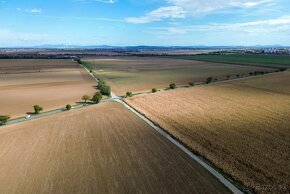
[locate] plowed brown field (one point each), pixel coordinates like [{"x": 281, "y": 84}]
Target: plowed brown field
[
  {"x": 49, "y": 83},
  {"x": 100, "y": 149},
  {"x": 243, "y": 127}
]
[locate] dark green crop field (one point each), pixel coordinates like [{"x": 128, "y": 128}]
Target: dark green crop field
[{"x": 265, "y": 60}]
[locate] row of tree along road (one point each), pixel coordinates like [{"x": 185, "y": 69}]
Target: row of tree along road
[
  {"x": 5, "y": 118},
  {"x": 105, "y": 90},
  {"x": 209, "y": 80}
]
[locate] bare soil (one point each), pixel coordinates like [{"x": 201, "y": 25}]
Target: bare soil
[{"x": 99, "y": 149}]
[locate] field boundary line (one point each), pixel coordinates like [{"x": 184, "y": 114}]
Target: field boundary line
[{"x": 196, "y": 158}]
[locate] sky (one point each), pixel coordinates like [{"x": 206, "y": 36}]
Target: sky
[{"x": 144, "y": 22}]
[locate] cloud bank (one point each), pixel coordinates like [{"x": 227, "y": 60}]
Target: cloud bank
[{"x": 183, "y": 8}]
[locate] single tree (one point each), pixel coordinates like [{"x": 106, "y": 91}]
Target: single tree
[
  {"x": 154, "y": 90},
  {"x": 37, "y": 109},
  {"x": 68, "y": 107},
  {"x": 129, "y": 94},
  {"x": 209, "y": 79},
  {"x": 97, "y": 97},
  {"x": 85, "y": 98},
  {"x": 228, "y": 77},
  {"x": 4, "y": 119},
  {"x": 172, "y": 86}
]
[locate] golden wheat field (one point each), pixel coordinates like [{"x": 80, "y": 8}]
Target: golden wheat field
[
  {"x": 98, "y": 149},
  {"x": 242, "y": 127}
]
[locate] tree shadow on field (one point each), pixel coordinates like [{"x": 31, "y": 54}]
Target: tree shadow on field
[
  {"x": 30, "y": 113},
  {"x": 96, "y": 87},
  {"x": 84, "y": 103}
]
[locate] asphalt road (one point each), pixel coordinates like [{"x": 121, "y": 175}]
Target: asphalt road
[{"x": 52, "y": 112}]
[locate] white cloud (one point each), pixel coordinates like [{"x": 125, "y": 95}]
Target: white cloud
[
  {"x": 107, "y": 1},
  {"x": 159, "y": 14},
  {"x": 81, "y": 18},
  {"x": 260, "y": 32},
  {"x": 34, "y": 10},
  {"x": 182, "y": 8},
  {"x": 197, "y": 6},
  {"x": 280, "y": 24},
  {"x": 205, "y": 6}
]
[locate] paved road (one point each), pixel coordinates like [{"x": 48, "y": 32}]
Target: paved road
[{"x": 52, "y": 112}]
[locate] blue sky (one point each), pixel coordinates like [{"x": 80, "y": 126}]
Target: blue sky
[{"x": 144, "y": 22}]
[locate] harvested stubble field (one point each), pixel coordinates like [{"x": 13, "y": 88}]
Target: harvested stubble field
[
  {"x": 135, "y": 74},
  {"x": 242, "y": 127},
  {"x": 49, "y": 83},
  {"x": 99, "y": 149}
]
